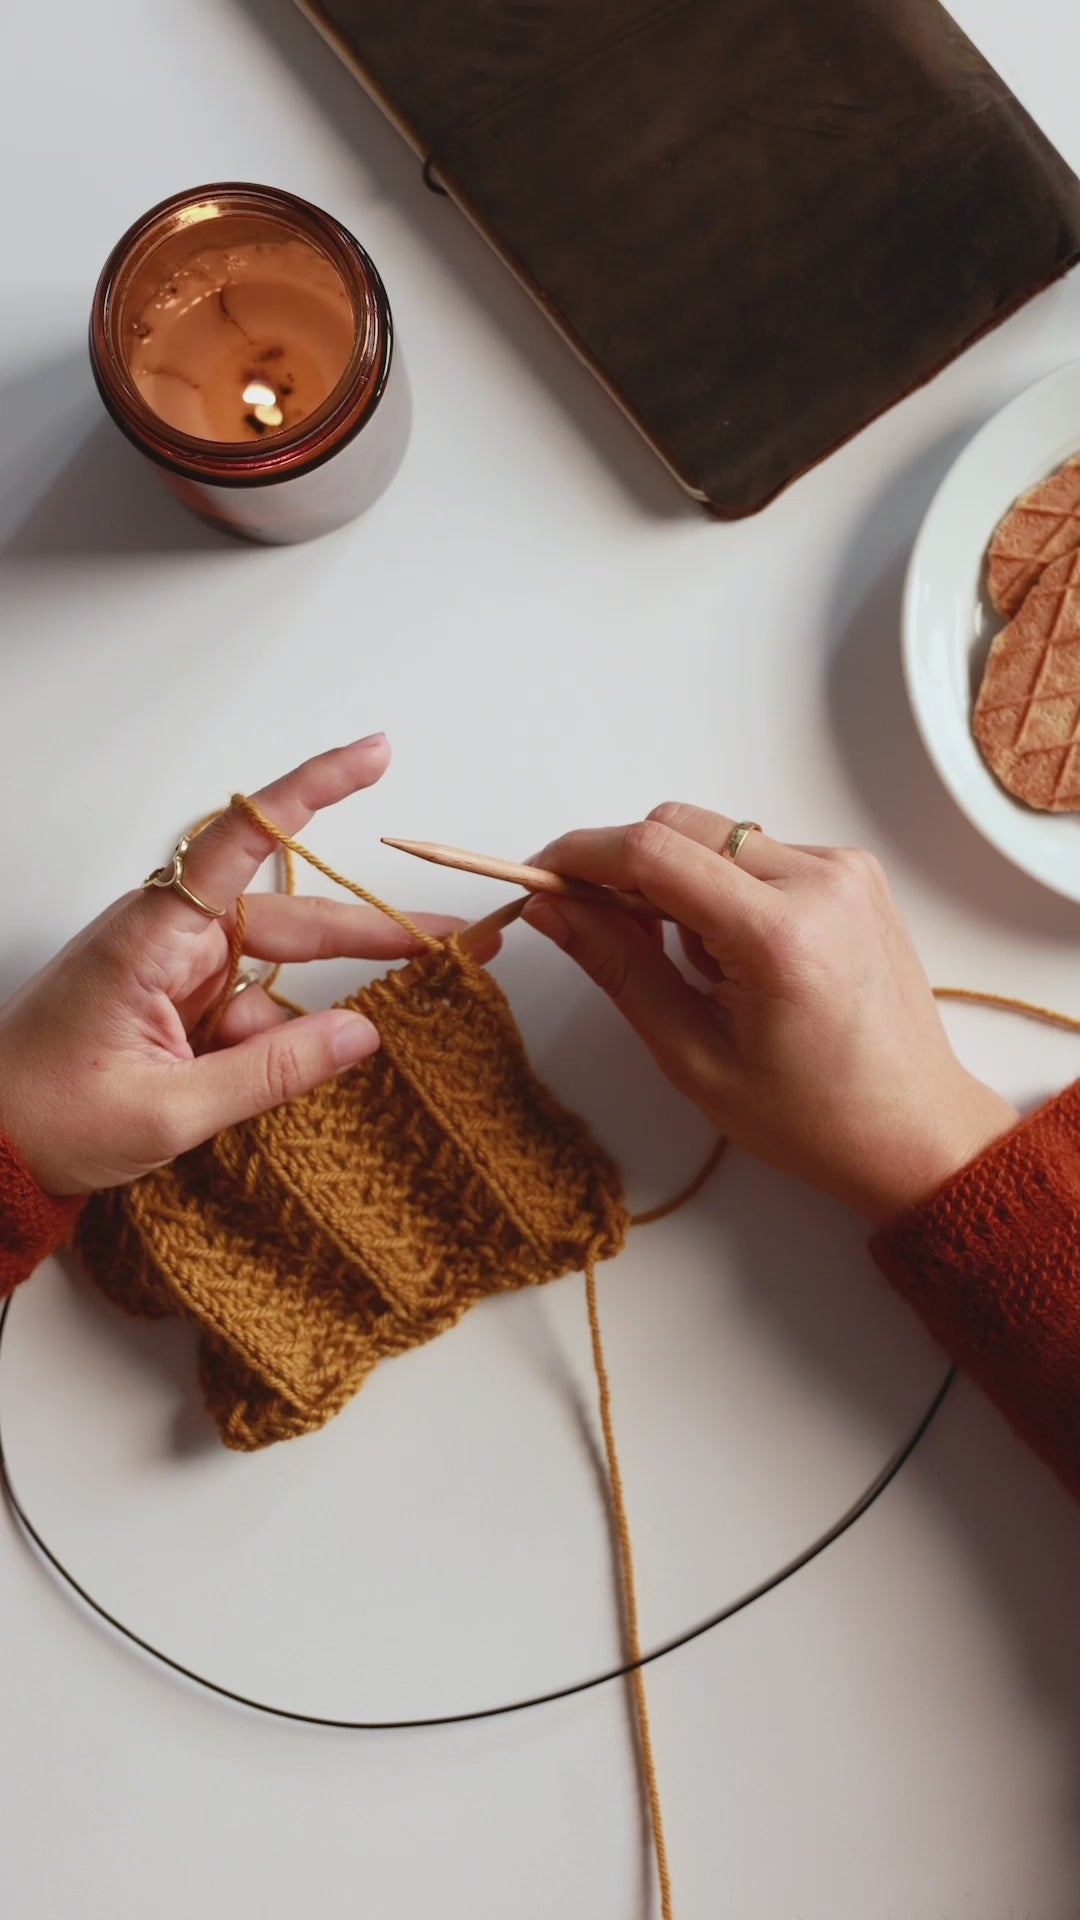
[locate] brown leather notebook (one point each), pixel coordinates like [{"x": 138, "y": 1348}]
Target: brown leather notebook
[{"x": 760, "y": 222}]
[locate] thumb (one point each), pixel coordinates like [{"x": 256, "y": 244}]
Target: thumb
[
  {"x": 677, "y": 1024},
  {"x": 274, "y": 1066}
]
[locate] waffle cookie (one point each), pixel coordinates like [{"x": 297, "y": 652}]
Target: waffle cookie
[
  {"x": 1043, "y": 524},
  {"x": 1027, "y": 712}
]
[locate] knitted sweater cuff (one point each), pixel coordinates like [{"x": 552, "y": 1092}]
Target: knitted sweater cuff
[
  {"x": 32, "y": 1224},
  {"x": 991, "y": 1263}
]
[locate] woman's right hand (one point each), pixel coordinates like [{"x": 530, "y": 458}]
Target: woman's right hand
[{"x": 815, "y": 1042}]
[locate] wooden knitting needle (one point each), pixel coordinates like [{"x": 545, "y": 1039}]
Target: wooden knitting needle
[
  {"x": 475, "y": 938},
  {"x": 533, "y": 879}
]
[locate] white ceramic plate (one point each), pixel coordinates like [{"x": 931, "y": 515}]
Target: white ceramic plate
[{"x": 948, "y": 622}]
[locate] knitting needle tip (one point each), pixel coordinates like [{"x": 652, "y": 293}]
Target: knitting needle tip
[{"x": 533, "y": 879}]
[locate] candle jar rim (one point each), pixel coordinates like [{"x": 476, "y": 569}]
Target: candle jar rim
[{"x": 321, "y": 433}]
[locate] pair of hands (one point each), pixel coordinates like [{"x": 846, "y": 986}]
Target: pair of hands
[{"x": 811, "y": 1037}]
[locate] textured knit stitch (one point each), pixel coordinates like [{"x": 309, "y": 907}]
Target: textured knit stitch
[{"x": 366, "y": 1217}]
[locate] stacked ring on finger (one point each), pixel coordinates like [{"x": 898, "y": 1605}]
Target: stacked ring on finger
[
  {"x": 224, "y": 854},
  {"x": 172, "y": 877}
]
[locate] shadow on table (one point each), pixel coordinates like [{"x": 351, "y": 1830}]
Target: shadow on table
[
  {"x": 71, "y": 486},
  {"x": 1009, "y": 1515},
  {"x": 1020, "y": 1530},
  {"x": 166, "y": 1348},
  {"x": 795, "y": 1257},
  {"x": 360, "y": 124},
  {"x": 874, "y": 728}
]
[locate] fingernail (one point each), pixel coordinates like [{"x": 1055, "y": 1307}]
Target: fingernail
[
  {"x": 370, "y": 740},
  {"x": 547, "y": 919},
  {"x": 353, "y": 1038}
]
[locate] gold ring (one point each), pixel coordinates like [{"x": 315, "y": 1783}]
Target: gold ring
[
  {"x": 736, "y": 839},
  {"x": 173, "y": 876}
]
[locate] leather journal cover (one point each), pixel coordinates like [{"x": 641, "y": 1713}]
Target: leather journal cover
[{"x": 759, "y": 222}]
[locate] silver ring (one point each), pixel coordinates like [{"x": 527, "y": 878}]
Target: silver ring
[{"x": 246, "y": 978}]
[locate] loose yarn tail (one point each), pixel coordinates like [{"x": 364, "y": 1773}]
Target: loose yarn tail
[
  {"x": 1030, "y": 1008},
  {"x": 629, "y": 1593},
  {"x": 621, "y": 1523},
  {"x": 685, "y": 1194}
]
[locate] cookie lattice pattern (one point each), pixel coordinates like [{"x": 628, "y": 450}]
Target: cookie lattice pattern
[{"x": 1027, "y": 715}]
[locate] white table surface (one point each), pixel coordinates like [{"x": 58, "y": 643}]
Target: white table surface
[{"x": 551, "y": 636}]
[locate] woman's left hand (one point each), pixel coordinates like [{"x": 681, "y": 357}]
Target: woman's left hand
[{"x": 98, "y": 1079}]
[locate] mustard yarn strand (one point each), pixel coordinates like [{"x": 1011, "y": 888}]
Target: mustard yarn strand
[
  {"x": 290, "y": 846},
  {"x": 629, "y": 1593},
  {"x": 1030, "y": 1008}
]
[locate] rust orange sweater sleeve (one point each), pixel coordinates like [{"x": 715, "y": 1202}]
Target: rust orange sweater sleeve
[
  {"x": 992, "y": 1264},
  {"x": 31, "y": 1224}
]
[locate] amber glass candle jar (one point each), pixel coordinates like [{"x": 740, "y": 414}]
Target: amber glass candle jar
[{"x": 242, "y": 339}]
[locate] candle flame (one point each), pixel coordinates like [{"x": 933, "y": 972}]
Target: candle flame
[{"x": 263, "y": 402}]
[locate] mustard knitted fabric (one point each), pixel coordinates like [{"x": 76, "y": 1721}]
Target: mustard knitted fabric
[{"x": 364, "y": 1218}]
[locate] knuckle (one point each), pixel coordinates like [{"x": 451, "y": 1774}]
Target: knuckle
[
  {"x": 321, "y": 924},
  {"x": 872, "y": 870},
  {"x": 281, "y": 1070},
  {"x": 670, "y": 813},
  {"x": 610, "y": 971},
  {"x": 856, "y": 860},
  {"x": 849, "y": 876},
  {"x": 227, "y": 831},
  {"x": 643, "y": 842}
]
